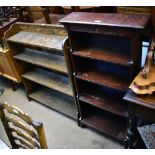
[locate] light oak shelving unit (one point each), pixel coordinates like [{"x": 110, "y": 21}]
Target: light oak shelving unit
[{"x": 38, "y": 53}]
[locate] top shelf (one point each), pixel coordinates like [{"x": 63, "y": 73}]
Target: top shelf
[
  {"x": 135, "y": 21},
  {"x": 46, "y": 36},
  {"x": 52, "y": 42},
  {"x": 107, "y": 55}
]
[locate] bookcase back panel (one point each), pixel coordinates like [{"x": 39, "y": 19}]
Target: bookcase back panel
[
  {"x": 84, "y": 65},
  {"x": 82, "y": 40},
  {"x": 86, "y": 87}
]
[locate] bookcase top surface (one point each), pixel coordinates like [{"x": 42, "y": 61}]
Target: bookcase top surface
[
  {"x": 136, "y": 21},
  {"x": 39, "y": 35}
]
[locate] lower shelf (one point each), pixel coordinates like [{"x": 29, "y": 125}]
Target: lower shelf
[
  {"x": 106, "y": 102},
  {"x": 49, "y": 79},
  {"x": 105, "y": 124},
  {"x": 56, "y": 101}
]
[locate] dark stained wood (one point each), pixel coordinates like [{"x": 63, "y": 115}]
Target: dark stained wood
[
  {"x": 56, "y": 101},
  {"x": 101, "y": 122},
  {"x": 6, "y": 26},
  {"x": 105, "y": 102},
  {"x": 43, "y": 59},
  {"x": 142, "y": 106},
  {"x": 104, "y": 79},
  {"x": 104, "y": 55},
  {"x": 107, "y": 19},
  {"x": 147, "y": 101},
  {"x": 51, "y": 80}
]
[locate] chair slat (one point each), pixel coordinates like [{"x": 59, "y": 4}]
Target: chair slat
[
  {"x": 23, "y": 142},
  {"x": 28, "y": 138},
  {"x": 22, "y": 126},
  {"x": 22, "y": 146},
  {"x": 16, "y": 111}
]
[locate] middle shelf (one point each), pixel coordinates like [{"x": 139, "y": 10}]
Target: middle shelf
[
  {"x": 43, "y": 59},
  {"x": 104, "y": 79},
  {"x": 50, "y": 80}
]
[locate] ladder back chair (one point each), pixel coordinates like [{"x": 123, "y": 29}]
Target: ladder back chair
[{"x": 21, "y": 130}]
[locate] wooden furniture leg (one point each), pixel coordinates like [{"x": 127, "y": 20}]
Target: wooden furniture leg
[{"x": 131, "y": 132}]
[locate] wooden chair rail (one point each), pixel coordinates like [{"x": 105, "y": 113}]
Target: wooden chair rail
[
  {"x": 23, "y": 127},
  {"x": 27, "y": 134}
]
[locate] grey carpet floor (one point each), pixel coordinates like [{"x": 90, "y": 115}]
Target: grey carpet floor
[{"x": 61, "y": 132}]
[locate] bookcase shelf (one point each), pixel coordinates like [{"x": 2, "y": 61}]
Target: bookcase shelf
[
  {"x": 105, "y": 56},
  {"x": 42, "y": 59},
  {"x": 51, "y": 42},
  {"x": 101, "y": 122},
  {"x": 51, "y": 80},
  {"x": 104, "y": 79},
  {"x": 104, "y": 102},
  {"x": 54, "y": 100},
  {"x": 38, "y": 51}
]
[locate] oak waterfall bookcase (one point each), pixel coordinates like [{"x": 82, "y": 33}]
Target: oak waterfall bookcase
[{"x": 38, "y": 53}]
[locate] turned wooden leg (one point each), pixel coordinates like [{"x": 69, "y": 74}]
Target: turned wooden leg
[
  {"x": 131, "y": 132},
  {"x": 78, "y": 118},
  {"x": 29, "y": 99},
  {"x": 15, "y": 86},
  {"x": 1, "y": 91}
]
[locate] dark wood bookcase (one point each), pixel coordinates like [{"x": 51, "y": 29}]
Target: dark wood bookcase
[
  {"x": 38, "y": 53},
  {"x": 105, "y": 55}
]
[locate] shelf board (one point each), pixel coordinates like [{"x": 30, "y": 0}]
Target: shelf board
[
  {"x": 43, "y": 59},
  {"x": 106, "y": 102},
  {"x": 107, "y": 55},
  {"x": 56, "y": 101},
  {"x": 51, "y": 80},
  {"x": 104, "y": 79},
  {"x": 51, "y": 42},
  {"x": 106, "y": 125}
]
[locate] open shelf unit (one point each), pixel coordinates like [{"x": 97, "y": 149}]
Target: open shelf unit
[
  {"x": 38, "y": 53},
  {"x": 105, "y": 56}
]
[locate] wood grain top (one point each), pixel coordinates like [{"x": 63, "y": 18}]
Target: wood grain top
[
  {"x": 51, "y": 42},
  {"x": 107, "y": 19},
  {"x": 147, "y": 101}
]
